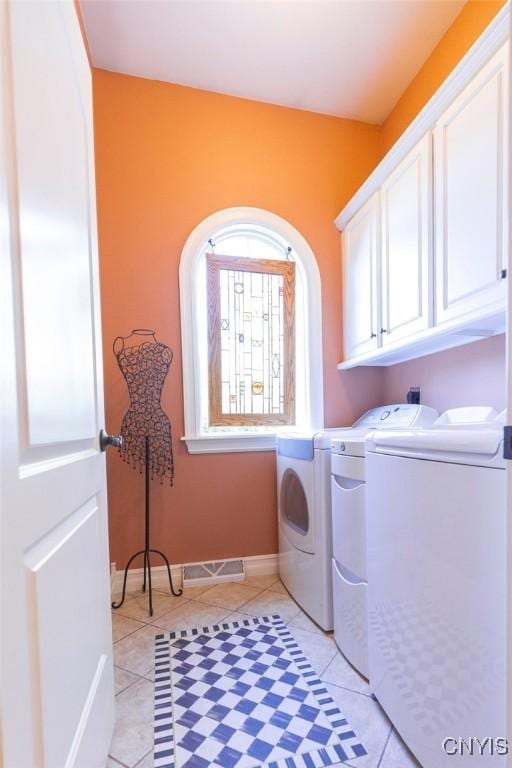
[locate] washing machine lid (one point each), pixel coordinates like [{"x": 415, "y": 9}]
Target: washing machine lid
[
  {"x": 397, "y": 416},
  {"x": 461, "y": 435},
  {"x": 302, "y": 445}
]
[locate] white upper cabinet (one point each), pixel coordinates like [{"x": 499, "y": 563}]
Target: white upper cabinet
[
  {"x": 470, "y": 193},
  {"x": 406, "y": 245},
  {"x": 361, "y": 280},
  {"x": 426, "y": 236}
]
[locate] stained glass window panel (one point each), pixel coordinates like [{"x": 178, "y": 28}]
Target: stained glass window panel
[
  {"x": 251, "y": 331},
  {"x": 252, "y": 326}
]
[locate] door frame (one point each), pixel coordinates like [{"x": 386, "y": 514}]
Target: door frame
[{"x": 508, "y": 393}]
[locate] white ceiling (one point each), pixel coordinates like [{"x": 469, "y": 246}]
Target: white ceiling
[{"x": 351, "y": 58}]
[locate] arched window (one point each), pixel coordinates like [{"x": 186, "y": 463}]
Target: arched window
[{"x": 251, "y": 332}]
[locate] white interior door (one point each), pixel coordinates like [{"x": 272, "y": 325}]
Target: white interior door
[
  {"x": 56, "y": 665},
  {"x": 407, "y": 230}
]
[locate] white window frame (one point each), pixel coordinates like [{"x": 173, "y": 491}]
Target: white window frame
[{"x": 226, "y": 442}]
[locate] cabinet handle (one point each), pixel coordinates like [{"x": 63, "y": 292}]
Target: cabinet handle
[
  {"x": 383, "y": 330},
  {"x": 503, "y": 274},
  {"x": 373, "y": 335}
]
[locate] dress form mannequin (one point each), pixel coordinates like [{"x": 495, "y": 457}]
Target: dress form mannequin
[
  {"x": 144, "y": 363},
  {"x": 146, "y": 430}
]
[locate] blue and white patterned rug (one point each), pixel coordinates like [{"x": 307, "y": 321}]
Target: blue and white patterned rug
[{"x": 242, "y": 695}]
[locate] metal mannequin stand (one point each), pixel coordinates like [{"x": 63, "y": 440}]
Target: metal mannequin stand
[
  {"x": 147, "y": 548},
  {"x": 146, "y": 437}
]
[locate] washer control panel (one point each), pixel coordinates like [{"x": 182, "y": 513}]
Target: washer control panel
[{"x": 397, "y": 416}]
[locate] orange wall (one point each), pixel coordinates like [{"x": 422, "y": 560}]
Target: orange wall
[
  {"x": 167, "y": 157},
  {"x": 475, "y": 16}
]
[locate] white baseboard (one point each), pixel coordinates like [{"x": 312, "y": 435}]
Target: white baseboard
[
  {"x": 261, "y": 565},
  {"x": 258, "y": 565}
]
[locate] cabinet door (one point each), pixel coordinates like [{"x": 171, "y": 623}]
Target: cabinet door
[
  {"x": 361, "y": 280},
  {"x": 406, "y": 246},
  {"x": 470, "y": 152}
]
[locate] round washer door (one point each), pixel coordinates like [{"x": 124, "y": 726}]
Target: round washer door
[{"x": 295, "y": 511}]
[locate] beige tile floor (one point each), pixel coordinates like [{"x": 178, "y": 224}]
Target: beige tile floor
[{"x": 134, "y": 631}]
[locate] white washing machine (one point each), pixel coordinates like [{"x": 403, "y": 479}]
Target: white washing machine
[
  {"x": 437, "y": 579},
  {"x": 304, "y": 512},
  {"x": 349, "y": 572}
]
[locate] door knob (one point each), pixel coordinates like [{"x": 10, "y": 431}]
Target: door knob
[{"x": 116, "y": 441}]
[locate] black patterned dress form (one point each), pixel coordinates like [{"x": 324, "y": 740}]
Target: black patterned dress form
[{"x": 145, "y": 366}]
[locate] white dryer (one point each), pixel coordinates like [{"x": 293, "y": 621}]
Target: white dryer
[
  {"x": 304, "y": 520},
  {"x": 349, "y": 570},
  {"x": 437, "y": 582}
]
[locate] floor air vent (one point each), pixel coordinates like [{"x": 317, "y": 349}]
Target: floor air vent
[{"x": 197, "y": 574}]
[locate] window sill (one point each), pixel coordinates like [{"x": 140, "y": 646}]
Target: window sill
[{"x": 225, "y": 443}]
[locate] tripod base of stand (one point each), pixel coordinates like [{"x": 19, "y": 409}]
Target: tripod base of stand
[{"x": 147, "y": 577}]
